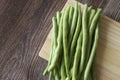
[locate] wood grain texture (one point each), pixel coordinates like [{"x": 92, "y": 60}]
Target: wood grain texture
[{"x": 24, "y": 25}]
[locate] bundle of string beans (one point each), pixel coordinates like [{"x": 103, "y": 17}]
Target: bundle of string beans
[{"x": 74, "y": 41}]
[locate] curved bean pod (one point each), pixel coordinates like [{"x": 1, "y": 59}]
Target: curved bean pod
[
  {"x": 50, "y": 75},
  {"x": 56, "y": 75},
  {"x": 88, "y": 67},
  {"x": 74, "y": 22},
  {"x": 94, "y": 20},
  {"x": 54, "y": 43},
  {"x": 77, "y": 58},
  {"x": 71, "y": 15},
  {"x": 85, "y": 36},
  {"x": 75, "y": 37},
  {"x": 92, "y": 14},
  {"x": 65, "y": 40},
  {"x": 58, "y": 16},
  {"x": 59, "y": 46},
  {"x": 62, "y": 69}
]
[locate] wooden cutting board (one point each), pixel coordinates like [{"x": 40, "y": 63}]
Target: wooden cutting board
[{"x": 108, "y": 50}]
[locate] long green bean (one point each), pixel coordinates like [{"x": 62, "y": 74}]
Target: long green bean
[
  {"x": 75, "y": 37},
  {"x": 92, "y": 28},
  {"x": 74, "y": 23},
  {"x": 65, "y": 40},
  {"x": 50, "y": 75},
  {"x": 59, "y": 45},
  {"x": 54, "y": 43},
  {"x": 71, "y": 15},
  {"x": 77, "y": 58},
  {"x": 63, "y": 71},
  {"x": 92, "y": 71},
  {"x": 88, "y": 67},
  {"x": 55, "y": 27},
  {"x": 94, "y": 21},
  {"x": 92, "y": 14},
  {"x": 58, "y": 16},
  {"x": 85, "y": 36},
  {"x": 56, "y": 74}
]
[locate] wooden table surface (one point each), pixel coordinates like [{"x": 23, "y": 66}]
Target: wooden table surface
[{"x": 24, "y": 25}]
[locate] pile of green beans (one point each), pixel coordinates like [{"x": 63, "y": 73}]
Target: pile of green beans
[{"x": 74, "y": 41}]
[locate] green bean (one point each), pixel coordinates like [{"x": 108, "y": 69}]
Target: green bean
[
  {"x": 65, "y": 40},
  {"x": 75, "y": 37},
  {"x": 88, "y": 67},
  {"x": 55, "y": 33},
  {"x": 54, "y": 43},
  {"x": 49, "y": 61},
  {"x": 79, "y": 70},
  {"x": 92, "y": 14},
  {"x": 93, "y": 73},
  {"x": 59, "y": 46},
  {"x": 63, "y": 72},
  {"x": 56, "y": 71},
  {"x": 94, "y": 21},
  {"x": 55, "y": 29},
  {"x": 74, "y": 22},
  {"x": 89, "y": 8},
  {"x": 85, "y": 37},
  {"x": 77, "y": 58},
  {"x": 92, "y": 28},
  {"x": 56, "y": 75},
  {"x": 71, "y": 15},
  {"x": 50, "y": 75},
  {"x": 58, "y": 15}
]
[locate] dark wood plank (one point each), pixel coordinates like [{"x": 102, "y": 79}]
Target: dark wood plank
[{"x": 24, "y": 25}]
